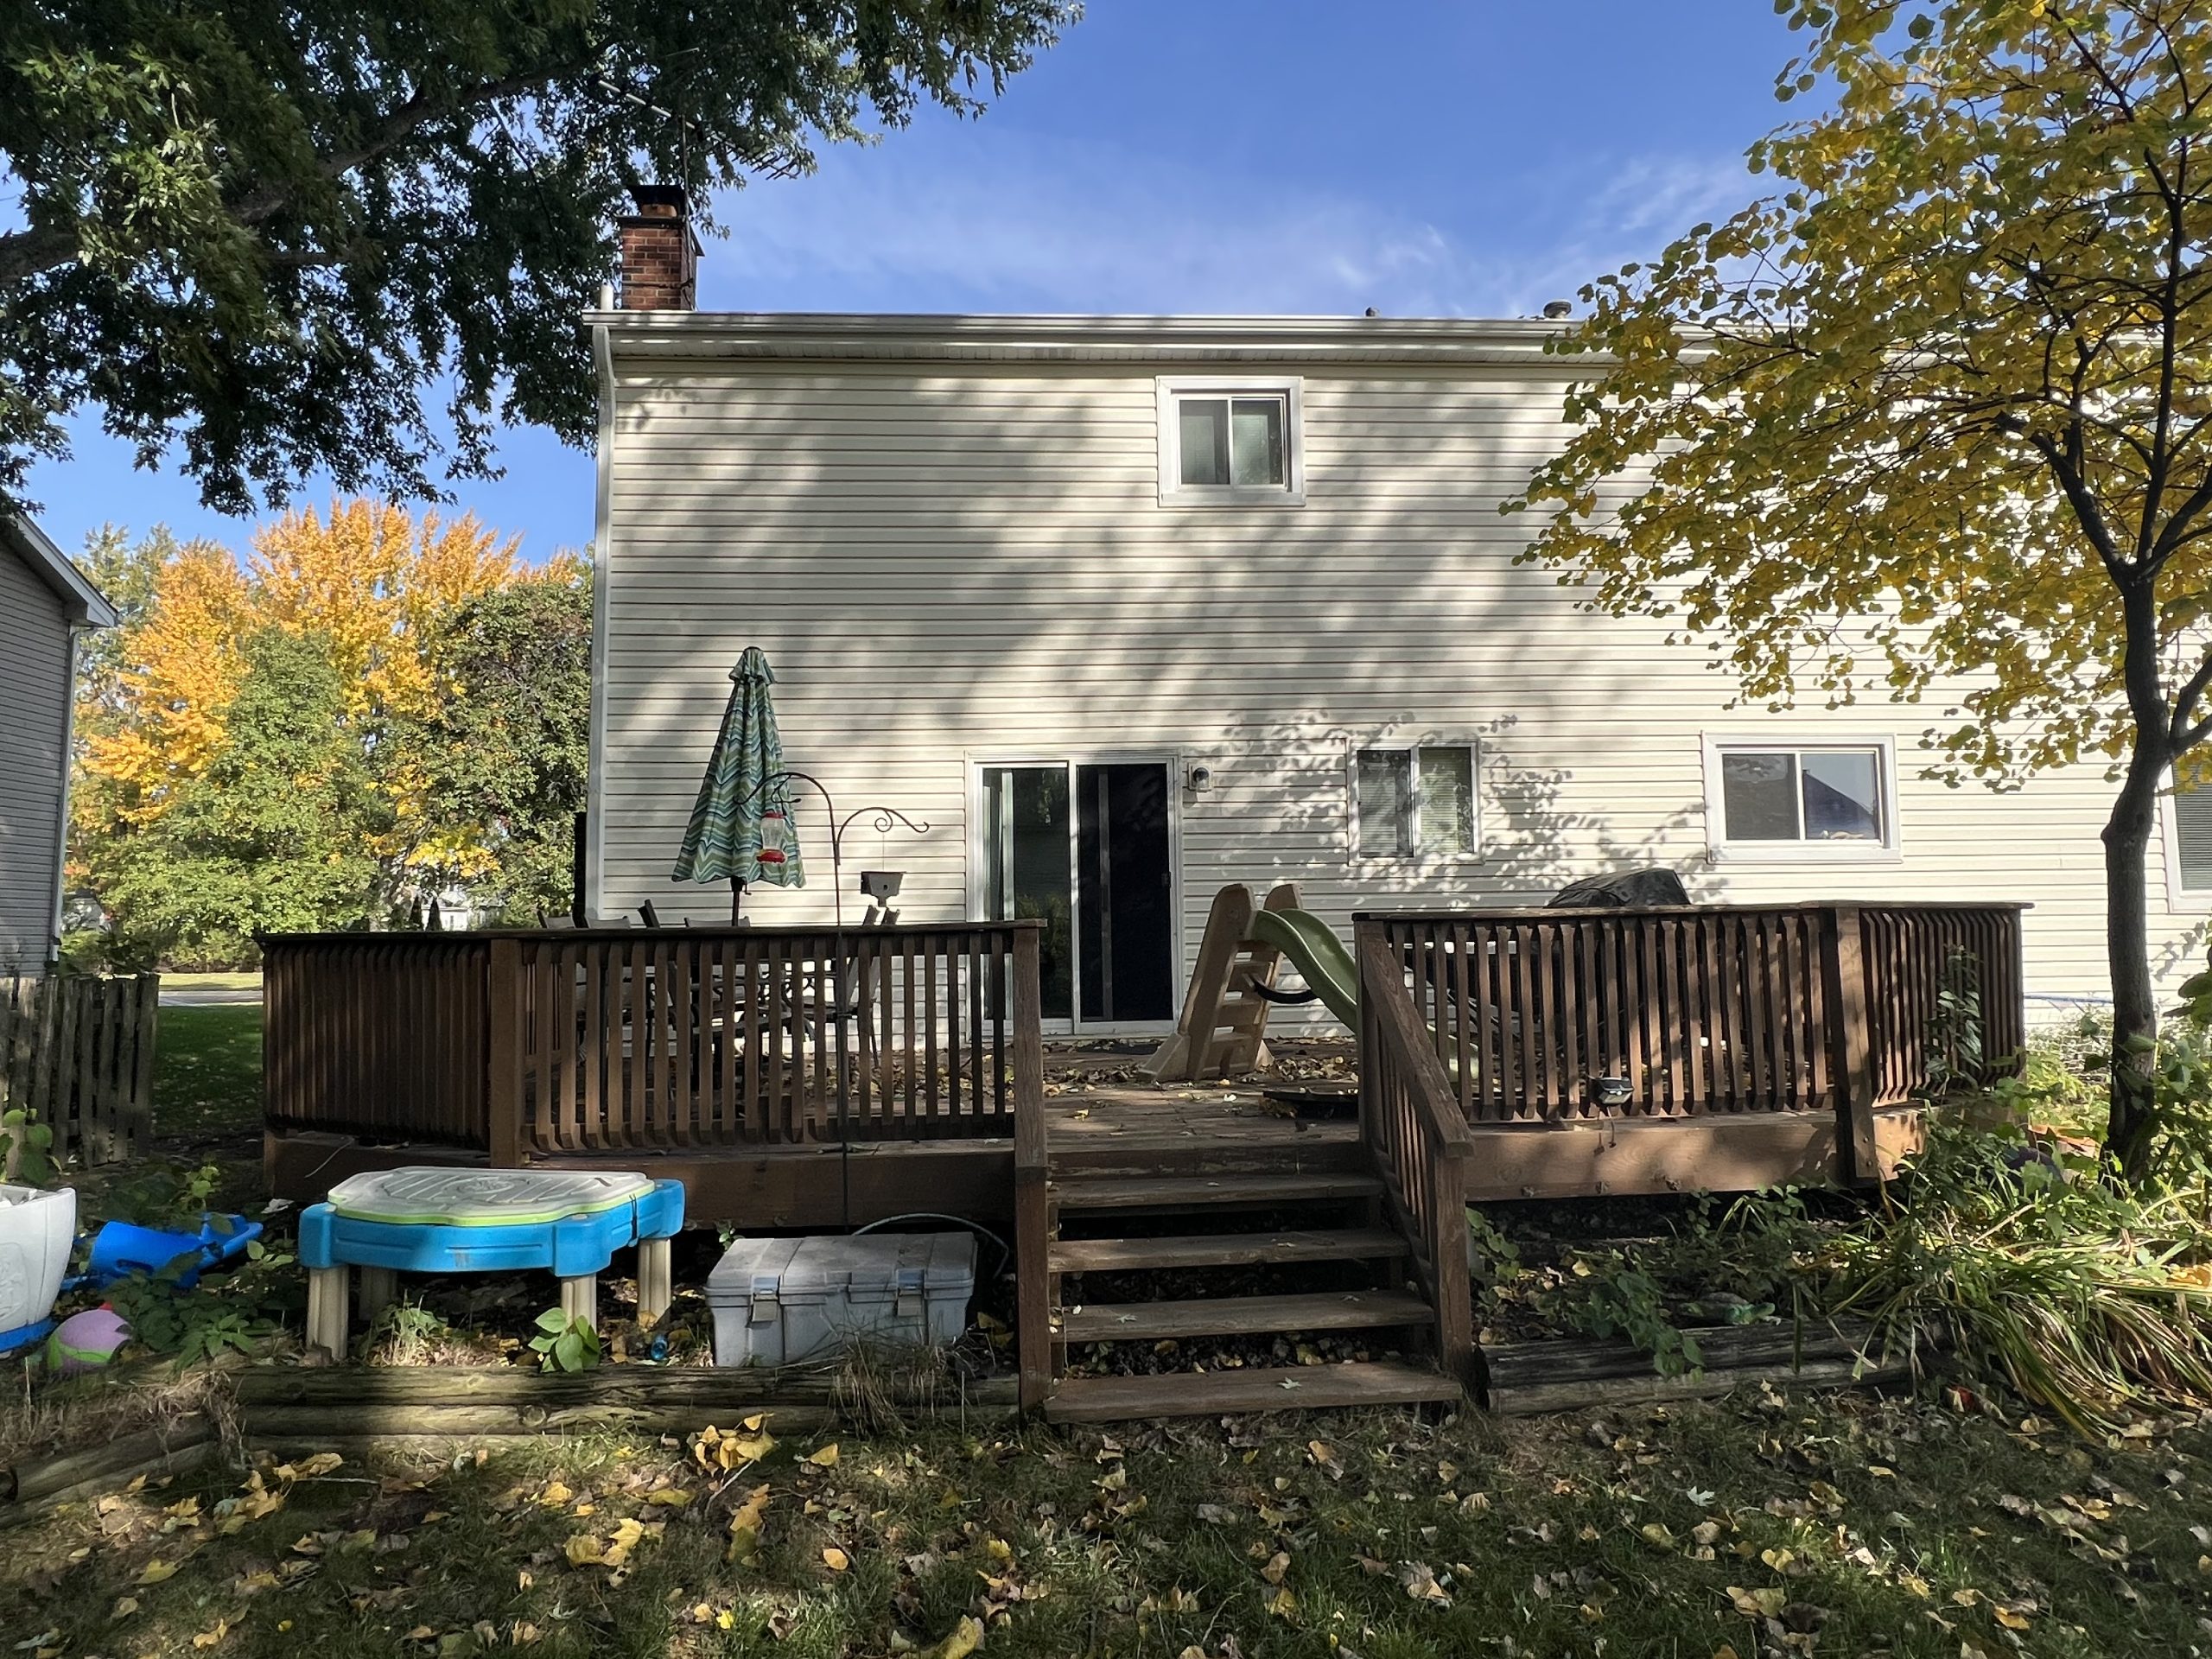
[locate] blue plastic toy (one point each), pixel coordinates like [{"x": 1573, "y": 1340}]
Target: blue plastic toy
[{"x": 121, "y": 1249}]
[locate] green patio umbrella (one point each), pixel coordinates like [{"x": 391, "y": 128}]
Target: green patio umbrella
[{"x": 741, "y": 826}]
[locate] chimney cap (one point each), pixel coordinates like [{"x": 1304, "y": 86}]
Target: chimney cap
[
  {"x": 1558, "y": 309},
  {"x": 661, "y": 200}
]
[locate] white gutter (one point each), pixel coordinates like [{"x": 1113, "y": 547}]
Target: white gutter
[
  {"x": 1515, "y": 341},
  {"x": 602, "y": 558}
]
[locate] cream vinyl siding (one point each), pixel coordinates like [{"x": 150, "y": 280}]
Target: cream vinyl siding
[
  {"x": 951, "y": 562},
  {"x": 33, "y": 718}
]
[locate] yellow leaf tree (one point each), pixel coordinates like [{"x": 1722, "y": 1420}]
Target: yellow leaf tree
[
  {"x": 1936, "y": 411},
  {"x": 373, "y": 581},
  {"x": 177, "y": 670}
]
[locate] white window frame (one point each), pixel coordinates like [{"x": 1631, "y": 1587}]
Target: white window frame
[
  {"x": 1421, "y": 857},
  {"x": 1172, "y": 388},
  {"x": 2180, "y": 901},
  {"x": 1721, "y": 850}
]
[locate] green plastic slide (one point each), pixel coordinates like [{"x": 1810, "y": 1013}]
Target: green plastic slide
[{"x": 1322, "y": 959}]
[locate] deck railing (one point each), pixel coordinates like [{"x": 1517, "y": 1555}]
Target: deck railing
[
  {"x": 1419, "y": 1141},
  {"x": 1549, "y": 1016},
  {"x": 618, "y": 1040}
]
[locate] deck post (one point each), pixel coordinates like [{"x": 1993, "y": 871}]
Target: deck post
[
  {"x": 1031, "y": 1168},
  {"x": 503, "y": 1095},
  {"x": 1843, "y": 973}
]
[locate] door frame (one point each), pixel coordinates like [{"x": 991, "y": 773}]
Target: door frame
[{"x": 976, "y": 761}]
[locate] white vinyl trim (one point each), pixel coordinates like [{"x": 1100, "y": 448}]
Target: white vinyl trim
[
  {"x": 602, "y": 559},
  {"x": 1719, "y": 849},
  {"x": 1171, "y": 389}
]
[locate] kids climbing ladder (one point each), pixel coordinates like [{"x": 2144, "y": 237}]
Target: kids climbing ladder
[{"x": 1224, "y": 1028}]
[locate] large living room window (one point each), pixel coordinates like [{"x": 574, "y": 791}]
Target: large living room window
[
  {"x": 1230, "y": 442},
  {"x": 1825, "y": 799}
]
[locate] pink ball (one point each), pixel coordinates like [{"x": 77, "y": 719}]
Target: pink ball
[{"x": 86, "y": 1341}]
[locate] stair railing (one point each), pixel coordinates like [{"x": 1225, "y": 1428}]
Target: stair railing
[
  {"x": 1419, "y": 1142},
  {"x": 1032, "y": 1288}
]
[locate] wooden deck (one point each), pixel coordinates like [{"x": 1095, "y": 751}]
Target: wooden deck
[
  {"x": 1139, "y": 1131},
  {"x": 796, "y": 1078}
]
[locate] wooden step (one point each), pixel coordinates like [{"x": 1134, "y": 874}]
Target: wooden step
[
  {"x": 1295, "y": 1388},
  {"x": 1280, "y": 1148},
  {"x": 1224, "y": 1249},
  {"x": 1229, "y": 1316},
  {"x": 1201, "y": 1192}
]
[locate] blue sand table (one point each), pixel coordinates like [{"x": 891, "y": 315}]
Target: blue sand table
[
  {"x": 24, "y": 1335},
  {"x": 431, "y": 1220}
]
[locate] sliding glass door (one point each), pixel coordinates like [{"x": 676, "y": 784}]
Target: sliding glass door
[{"x": 1086, "y": 847}]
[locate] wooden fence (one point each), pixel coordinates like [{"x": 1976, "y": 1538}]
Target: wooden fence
[
  {"x": 77, "y": 1053},
  {"x": 652, "y": 1039},
  {"x": 1548, "y": 1016}
]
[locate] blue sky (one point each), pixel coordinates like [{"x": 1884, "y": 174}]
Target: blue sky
[{"x": 1427, "y": 157}]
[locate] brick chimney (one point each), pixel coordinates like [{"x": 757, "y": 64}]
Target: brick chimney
[{"x": 660, "y": 256}]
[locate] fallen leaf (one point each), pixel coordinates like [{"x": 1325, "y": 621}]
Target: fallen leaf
[
  {"x": 2011, "y": 1620},
  {"x": 836, "y": 1559},
  {"x": 966, "y": 1636},
  {"x": 124, "y": 1607},
  {"x": 209, "y": 1638},
  {"x": 584, "y": 1549},
  {"x": 154, "y": 1571},
  {"x": 1278, "y": 1564},
  {"x": 824, "y": 1459},
  {"x": 669, "y": 1497},
  {"x": 745, "y": 1527},
  {"x": 1762, "y": 1603},
  {"x": 1283, "y": 1605}
]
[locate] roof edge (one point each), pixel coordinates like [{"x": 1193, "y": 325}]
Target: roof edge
[
  {"x": 87, "y": 605},
  {"x": 1513, "y": 341}
]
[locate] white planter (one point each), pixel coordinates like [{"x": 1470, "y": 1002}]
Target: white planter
[{"x": 36, "y": 1230}]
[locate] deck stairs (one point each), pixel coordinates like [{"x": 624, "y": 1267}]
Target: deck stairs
[{"x": 1158, "y": 1246}]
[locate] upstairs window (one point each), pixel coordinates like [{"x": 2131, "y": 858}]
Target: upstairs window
[
  {"x": 1414, "y": 801},
  {"x": 1230, "y": 442},
  {"x": 1801, "y": 800}
]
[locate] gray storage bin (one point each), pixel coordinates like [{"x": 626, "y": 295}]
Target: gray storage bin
[{"x": 779, "y": 1300}]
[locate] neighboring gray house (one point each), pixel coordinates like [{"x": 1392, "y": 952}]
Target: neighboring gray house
[{"x": 44, "y": 602}]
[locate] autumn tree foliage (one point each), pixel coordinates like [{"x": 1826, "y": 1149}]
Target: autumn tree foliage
[
  {"x": 1935, "y": 411},
  {"x": 263, "y": 239},
  {"x": 273, "y": 744}
]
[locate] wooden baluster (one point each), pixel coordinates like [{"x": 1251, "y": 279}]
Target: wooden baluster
[
  {"x": 1032, "y": 1164},
  {"x": 503, "y": 1104}
]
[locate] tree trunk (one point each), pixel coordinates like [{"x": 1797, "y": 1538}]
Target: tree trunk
[{"x": 2127, "y": 944}]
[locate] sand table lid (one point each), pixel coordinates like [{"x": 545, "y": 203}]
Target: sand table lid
[{"x": 483, "y": 1198}]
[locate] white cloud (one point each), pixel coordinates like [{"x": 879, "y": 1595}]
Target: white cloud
[{"x": 1019, "y": 224}]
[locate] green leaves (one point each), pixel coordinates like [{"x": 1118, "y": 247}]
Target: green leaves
[
  {"x": 563, "y": 1344},
  {"x": 25, "y": 1148},
  {"x": 271, "y": 239}
]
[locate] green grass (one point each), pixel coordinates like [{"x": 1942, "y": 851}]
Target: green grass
[
  {"x": 250, "y": 980},
  {"x": 207, "y": 1072},
  {"x": 1891, "y": 1527}
]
